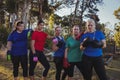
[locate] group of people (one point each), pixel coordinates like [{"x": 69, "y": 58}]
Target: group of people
[{"x": 83, "y": 50}]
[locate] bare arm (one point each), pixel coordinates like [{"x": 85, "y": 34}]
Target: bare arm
[
  {"x": 81, "y": 45},
  {"x": 50, "y": 37},
  {"x": 32, "y": 46},
  {"x": 104, "y": 43},
  {"x": 9, "y": 45},
  {"x": 66, "y": 53}
]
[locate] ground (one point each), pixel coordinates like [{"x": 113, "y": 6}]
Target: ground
[{"x": 113, "y": 69}]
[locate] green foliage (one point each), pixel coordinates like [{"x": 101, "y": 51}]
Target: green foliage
[
  {"x": 45, "y": 7},
  {"x": 34, "y": 12},
  {"x": 58, "y": 19},
  {"x": 117, "y": 38},
  {"x": 51, "y": 21},
  {"x": 4, "y": 32},
  {"x": 84, "y": 7},
  {"x": 117, "y": 35},
  {"x": 2, "y": 8},
  {"x": 117, "y": 13},
  {"x": 67, "y": 36},
  {"x": 117, "y": 27},
  {"x": 11, "y": 5},
  {"x": 48, "y": 43}
]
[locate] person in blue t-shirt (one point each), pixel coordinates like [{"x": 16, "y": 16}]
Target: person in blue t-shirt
[
  {"x": 17, "y": 48},
  {"x": 92, "y": 43},
  {"x": 59, "y": 48}
]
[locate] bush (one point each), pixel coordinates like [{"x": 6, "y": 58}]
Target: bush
[
  {"x": 4, "y": 32},
  {"x": 48, "y": 43}
]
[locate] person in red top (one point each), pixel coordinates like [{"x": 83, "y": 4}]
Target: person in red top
[{"x": 38, "y": 40}]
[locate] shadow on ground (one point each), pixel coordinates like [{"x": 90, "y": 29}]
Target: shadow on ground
[{"x": 113, "y": 70}]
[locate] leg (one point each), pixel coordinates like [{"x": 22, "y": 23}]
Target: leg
[
  {"x": 70, "y": 70},
  {"x": 32, "y": 78},
  {"x": 64, "y": 74},
  {"x": 100, "y": 69},
  {"x": 45, "y": 64},
  {"x": 59, "y": 65},
  {"x": 24, "y": 64},
  {"x": 15, "y": 62},
  {"x": 25, "y": 78},
  {"x": 87, "y": 67},
  {"x": 15, "y": 78},
  {"x": 32, "y": 65},
  {"x": 79, "y": 65}
]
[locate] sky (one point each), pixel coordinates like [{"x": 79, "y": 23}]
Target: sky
[{"x": 105, "y": 11}]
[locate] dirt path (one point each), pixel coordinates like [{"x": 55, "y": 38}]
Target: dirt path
[{"x": 113, "y": 70}]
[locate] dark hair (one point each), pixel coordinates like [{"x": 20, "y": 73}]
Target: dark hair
[
  {"x": 20, "y": 22},
  {"x": 40, "y": 21}
]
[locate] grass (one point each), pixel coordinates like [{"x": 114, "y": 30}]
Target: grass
[{"x": 113, "y": 70}]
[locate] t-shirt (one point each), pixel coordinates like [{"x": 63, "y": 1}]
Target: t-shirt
[
  {"x": 60, "y": 51},
  {"x": 19, "y": 42},
  {"x": 74, "y": 52},
  {"x": 90, "y": 51},
  {"x": 40, "y": 39}
]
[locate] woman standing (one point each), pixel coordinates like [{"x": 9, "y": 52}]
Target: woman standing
[
  {"x": 17, "y": 48},
  {"x": 92, "y": 43},
  {"x": 59, "y": 49},
  {"x": 73, "y": 53},
  {"x": 37, "y": 46}
]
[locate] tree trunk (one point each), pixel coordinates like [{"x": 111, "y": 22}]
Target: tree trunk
[
  {"x": 40, "y": 9},
  {"x": 26, "y": 12},
  {"x": 75, "y": 12}
]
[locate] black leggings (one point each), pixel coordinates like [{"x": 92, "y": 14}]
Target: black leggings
[
  {"x": 42, "y": 59},
  {"x": 93, "y": 62},
  {"x": 16, "y": 60},
  {"x": 59, "y": 66},
  {"x": 71, "y": 68}
]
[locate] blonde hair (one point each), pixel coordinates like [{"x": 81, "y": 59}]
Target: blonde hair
[{"x": 91, "y": 21}]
